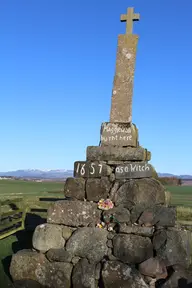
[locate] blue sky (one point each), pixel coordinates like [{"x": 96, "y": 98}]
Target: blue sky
[{"x": 56, "y": 73}]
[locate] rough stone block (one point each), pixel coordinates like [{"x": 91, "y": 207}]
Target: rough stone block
[
  {"x": 119, "y": 134},
  {"x": 116, "y": 274},
  {"x": 59, "y": 274},
  {"x": 73, "y": 213},
  {"x": 83, "y": 274},
  {"x": 145, "y": 191},
  {"x": 59, "y": 255},
  {"x": 136, "y": 212},
  {"x": 120, "y": 215},
  {"x": 180, "y": 278},
  {"x": 25, "y": 265},
  {"x": 47, "y": 236},
  {"x": 66, "y": 232},
  {"x": 159, "y": 216},
  {"x": 142, "y": 231},
  {"x": 132, "y": 248},
  {"x": 89, "y": 243},
  {"x": 75, "y": 188},
  {"x": 134, "y": 170},
  {"x": 107, "y": 153},
  {"x": 153, "y": 267},
  {"x": 31, "y": 265},
  {"x": 87, "y": 169},
  {"x": 175, "y": 248},
  {"x": 97, "y": 189}
]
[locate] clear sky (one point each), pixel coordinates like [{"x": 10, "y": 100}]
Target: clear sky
[{"x": 57, "y": 63}]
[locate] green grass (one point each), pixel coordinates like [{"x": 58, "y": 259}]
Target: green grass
[
  {"x": 181, "y": 195},
  {"x": 5, "y": 253},
  {"x": 18, "y": 188}
]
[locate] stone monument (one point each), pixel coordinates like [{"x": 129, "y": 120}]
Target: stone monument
[{"x": 115, "y": 228}]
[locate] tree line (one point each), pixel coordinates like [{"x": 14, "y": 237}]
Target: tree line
[{"x": 171, "y": 181}]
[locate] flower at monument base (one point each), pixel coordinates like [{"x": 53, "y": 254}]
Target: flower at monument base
[
  {"x": 105, "y": 204},
  {"x": 110, "y": 228},
  {"x": 100, "y": 225}
]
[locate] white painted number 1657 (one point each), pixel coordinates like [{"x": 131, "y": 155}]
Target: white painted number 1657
[{"x": 92, "y": 168}]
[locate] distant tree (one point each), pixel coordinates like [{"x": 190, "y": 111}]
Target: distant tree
[{"x": 179, "y": 182}]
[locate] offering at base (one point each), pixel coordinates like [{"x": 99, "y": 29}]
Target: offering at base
[
  {"x": 105, "y": 204},
  {"x": 100, "y": 225}
]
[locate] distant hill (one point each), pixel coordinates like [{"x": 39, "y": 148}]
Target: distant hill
[
  {"x": 177, "y": 176},
  {"x": 62, "y": 174},
  {"x": 40, "y": 174}
]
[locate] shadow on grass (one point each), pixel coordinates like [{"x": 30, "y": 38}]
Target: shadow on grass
[{"x": 23, "y": 241}]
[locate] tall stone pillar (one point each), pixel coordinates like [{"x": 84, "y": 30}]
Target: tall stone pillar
[{"x": 121, "y": 104}]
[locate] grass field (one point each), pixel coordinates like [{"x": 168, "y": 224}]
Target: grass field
[
  {"x": 11, "y": 188},
  {"x": 181, "y": 197}
]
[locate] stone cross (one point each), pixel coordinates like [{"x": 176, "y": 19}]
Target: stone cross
[
  {"x": 121, "y": 104},
  {"x": 129, "y": 18}
]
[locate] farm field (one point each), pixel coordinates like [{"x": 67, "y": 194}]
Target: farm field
[
  {"x": 181, "y": 197},
  {"x": 17, "y": 188}
]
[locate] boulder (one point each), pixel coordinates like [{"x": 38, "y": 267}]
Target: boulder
[
  {"x": 60, "y": 275},
  {"x": 59, "y": 255},
  {"x": 97, "y": 189},
  {"x": 132, "y": 248},
  {"x": 28, "y": 265},
  {"x": 178, "y": 278},
  {"x": 176, "y": 248},
  {"x": 67, "y": 232},
  {"x": 116, "y": 274},
  {"x": 159, "y": 216},
  {"x": 119, "y": 214},
  {"x": 153, "y": 267},
  {"x": 83, "y": 275},
  {"x": 159, "y": 239},
  {"x": 73, "y": 213},
  {"x": 146, "y": 191},
  {"x": 47, "y": 236},
  {"x": 75, "y": 188},
  {"x": 89, "y": 243},
  {"x": 136, "y": 212}
]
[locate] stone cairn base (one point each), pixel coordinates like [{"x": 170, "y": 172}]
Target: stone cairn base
[{"x": 115, "y": 228}]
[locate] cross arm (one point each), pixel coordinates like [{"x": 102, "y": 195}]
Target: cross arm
[{"x": 123, "y": 18}]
